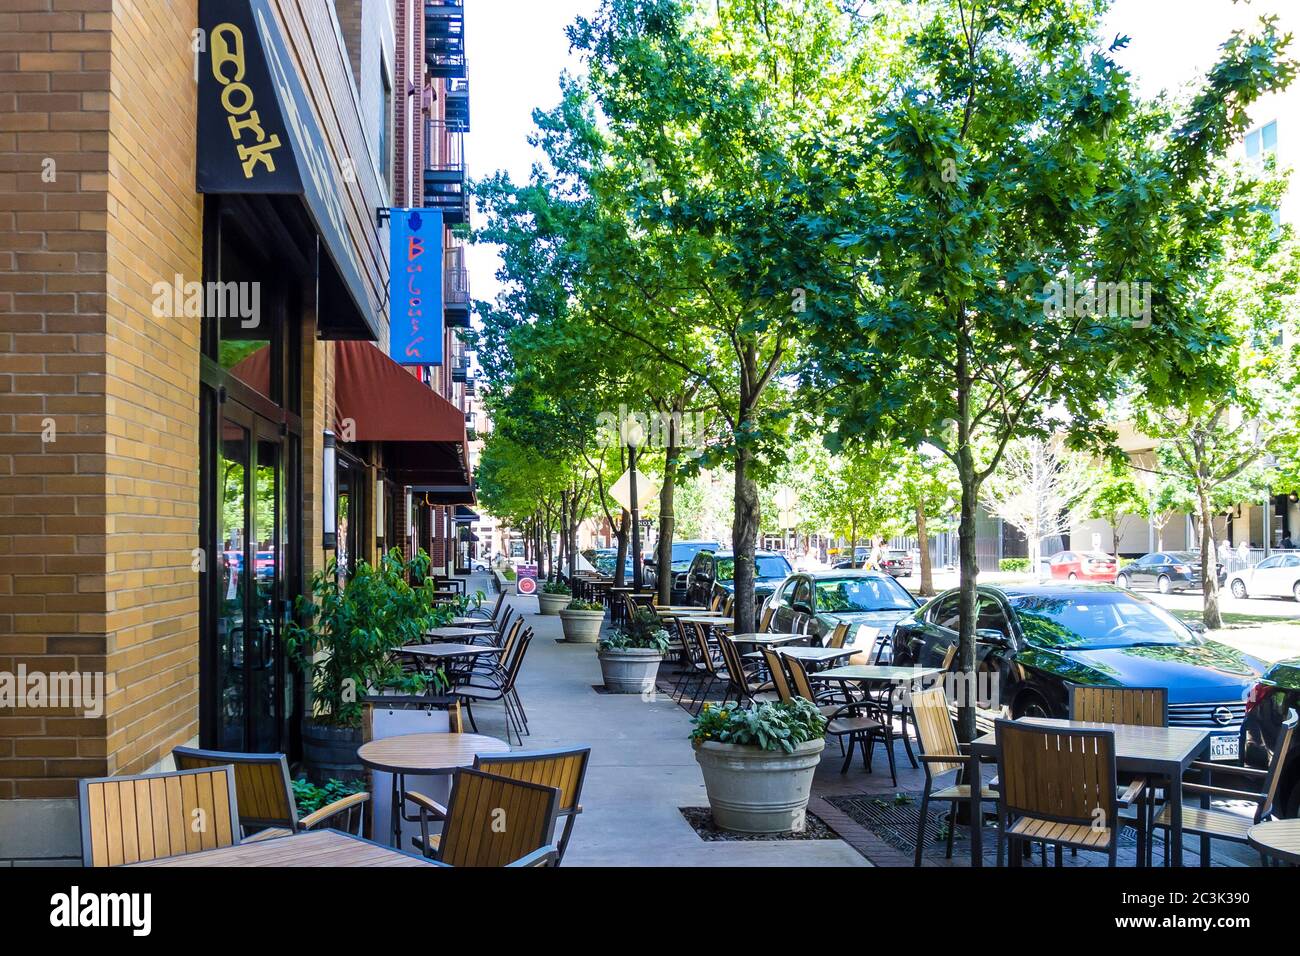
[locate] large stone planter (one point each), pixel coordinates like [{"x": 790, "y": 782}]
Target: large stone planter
[
  {"x": 630, "y": 670},
  {"x": 330, "y": 751},
  {"x": 581, "y": 627},
  {"x": 758, "y": 791},
  {"x": 552, "y": 603}
]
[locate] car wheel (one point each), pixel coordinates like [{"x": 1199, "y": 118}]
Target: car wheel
[
  {"x": 1164, "y": 585},
  {"x": 1122, "y": 581},
  {"x": 1295, "y": 591},
  {"x": 1031, "y": 705},
  {"x": 1238, "y": 588}
]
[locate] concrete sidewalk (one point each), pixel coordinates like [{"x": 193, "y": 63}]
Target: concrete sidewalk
[{"x": 642, "y": 765}]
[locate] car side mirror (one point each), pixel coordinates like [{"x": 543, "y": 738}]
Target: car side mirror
[{"x": 992, "y": 637}]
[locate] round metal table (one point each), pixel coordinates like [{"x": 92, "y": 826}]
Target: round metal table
[
  {"x": 423, "y": 755},
  {"x": 1279, "y": 839}
]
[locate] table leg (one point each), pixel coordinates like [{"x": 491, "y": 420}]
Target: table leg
[
  {"x": 976, "y": 818},
  {"x": 395, "y": 814},
  {"x": 1176, "y": 820}
]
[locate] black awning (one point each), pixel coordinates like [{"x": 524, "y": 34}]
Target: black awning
[
  {"x": 449, "y": 494},
  {"x": 466, "y": 514},
  {"x": 258, "y": 133}
]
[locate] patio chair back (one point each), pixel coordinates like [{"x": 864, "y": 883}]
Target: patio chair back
[
  {"x": 934, "y": 727},
  {"x": 780, "y": 680},
  {"x": 517, "y": 658},
  {"x": 799, "y": 678},
  {"x": 702, "y": 647},
  {"x": 511, "y": 635},
  {"x": 687, "y": 642},
  {"x": 1062, "y": 776},
  {"x": 838, "y": 636},
  {"x": 1281, "y": 749},
  {"x": 563, "y": 769},
  {"x": 949, "y": 656},
  {"x": 156, "y": 815},
  {"x": 496, "y": 608},
  {"x": 493, "y": 820},
  {"x": 765, "y": 622},
  {"x": 728, "y": 604},
  {"x": 1139, "y": 706},
  {"x": 262, "y": 784},
  {"x": 735, "y": 668}
]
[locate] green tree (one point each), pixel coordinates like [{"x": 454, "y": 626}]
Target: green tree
[{"x": 1009, "y": 159}]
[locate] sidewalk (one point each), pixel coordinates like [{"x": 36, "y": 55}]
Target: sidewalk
[{"x": 642, "y": 766}]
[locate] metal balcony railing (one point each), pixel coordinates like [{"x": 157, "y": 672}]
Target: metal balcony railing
[
  {"x": 444, "y": 172},
  {"x": 455, "y": 289},
  {"x": 444, "y": 37},
  {"x": 456, "y": 105}
]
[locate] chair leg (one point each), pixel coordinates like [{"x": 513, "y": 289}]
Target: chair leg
[
  {"x": 848, "y": 758},
  {"x": 889, "y": 752},
  {"x": 952, "y": 826},
  {"x": 1060, "y": 856},
  {"x": 469, "y": 712},
  {"x": 907, "y": 741},
  {"x": 920, "y": 830}
]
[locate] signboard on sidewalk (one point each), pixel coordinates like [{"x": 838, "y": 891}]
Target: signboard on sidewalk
[{"x": 526, "y": 579}]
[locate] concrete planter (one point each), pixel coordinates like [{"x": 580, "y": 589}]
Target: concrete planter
[
  {"x": 758, "y": 791},
  {"x": 581, "y": 627},
  {"x": 552, "y": 603},
  {"x": 630, "y": 670}
]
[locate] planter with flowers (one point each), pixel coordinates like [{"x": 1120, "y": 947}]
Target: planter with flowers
[
  {"x": 582, "y": 621},
  {"x": 553, "y": 596},
  {"x": 630, "y": 655},
  {"x": 758, "y": 763}
]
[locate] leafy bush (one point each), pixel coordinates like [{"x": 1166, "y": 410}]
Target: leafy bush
[
  {"x": 773, "y": 725},
  {"x": 311, "y": 798},
  {"x": 555, "y": 587},
  {"x": 345, "y": 635},
  {"x": 1013, "y": 564},
  {"x": 508, "y": 573},
  {"x": 643, "y": 631},
  {"x": 577, "y": 604}
]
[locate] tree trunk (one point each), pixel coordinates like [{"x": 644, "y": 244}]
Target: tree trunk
[
  {"x": 744, "y": 531},
  {"x": 564, "y": 531},
  {"x": 667, "y": 521},
  {"x": 923, "y": 542},
  {"x": 969, "y": 572},
  {"x": 1209, "y": 566},
  {"x": 853, "y": 543}
]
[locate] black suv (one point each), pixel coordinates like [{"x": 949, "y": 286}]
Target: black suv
[{"x": 1277, "y": 692}]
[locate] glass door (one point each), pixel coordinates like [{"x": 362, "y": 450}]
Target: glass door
[{"x": 251, "y": 603}]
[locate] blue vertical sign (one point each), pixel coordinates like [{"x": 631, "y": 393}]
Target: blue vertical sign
[{"x": 415, "y": 287}]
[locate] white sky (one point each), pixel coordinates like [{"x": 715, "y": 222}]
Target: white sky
[{"x": 516, "y": 50}]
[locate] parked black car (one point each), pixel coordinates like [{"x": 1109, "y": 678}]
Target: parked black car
[
  {"x": 1165, "y": 571},
  {"x": 1035, "y": 640},
  {"x": 852, "y": 596},
  {"x": 1277, "y": 692},
  {"x": 713, "y": 571}
]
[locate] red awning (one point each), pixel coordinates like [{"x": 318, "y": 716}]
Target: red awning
[{"x": 423, "y": 433}]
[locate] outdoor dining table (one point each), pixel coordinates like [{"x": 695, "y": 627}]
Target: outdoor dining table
[
  {"x": 452, "y": 633},
  {"x": 423, "y": 755},
  {"x": 1146, "y": 751},
  {"x": 755, "y": 639},
  {"x": 817, "y": 655},
  {"x": 477, "y": 622},
  {"x": 710, "y": 620},
  {"x": 449, "y": 649},
  {"x": 313, "y": 848},
  {"x": 1279, "y": 839}
]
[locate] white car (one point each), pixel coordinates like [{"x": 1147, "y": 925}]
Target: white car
[{"x": 1278, "y": 575}]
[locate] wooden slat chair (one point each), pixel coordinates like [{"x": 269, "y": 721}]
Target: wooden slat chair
[
  {"x": 942, "y": 754},
  {"x": 857, "y": 720},
  {"x": 1210, "y": 824},
  {"x": 1140, "y": 706},
  {"x": 728, "y": 604},
  {"x": 563, "y": 769},
  {"x": 744, "y": 682},
  {"x": 716, "y": 603},
  {"x": 838, "y": 636},
  {"x": 489, "y": 820},
  {"x": 499, "y": 682},
  {"x": 765, "y": 622},
  {"x": 494, "y": 613},
  {"x": 265, "y": 792},
  {"x": 711, "y": 670},
  {"x": 157, "y": 815},
  {"x": 693, "y": 667},
  {"x": 1058, "y": 787}
]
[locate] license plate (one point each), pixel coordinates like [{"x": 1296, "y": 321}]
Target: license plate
[{"x": 1225, "y": 747}]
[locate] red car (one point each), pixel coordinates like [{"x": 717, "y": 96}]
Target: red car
[{"x": 1084, "y": 566}]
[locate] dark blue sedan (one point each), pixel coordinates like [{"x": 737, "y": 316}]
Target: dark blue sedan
[{"x": 1033, "y": 641}]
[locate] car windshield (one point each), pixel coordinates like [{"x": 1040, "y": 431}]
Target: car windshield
[
  {"x": 765, "y": 566},
  {"x": 848, "y": 595},
  {"x": 684, "y": 552},
  {"x": 1103, "y": 619}
]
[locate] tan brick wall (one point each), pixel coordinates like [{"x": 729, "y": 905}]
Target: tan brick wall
[
  {"x": 54, "y": 161},
  {"x": 98, "y": 524},
  {"x": 155, "y": 221}
]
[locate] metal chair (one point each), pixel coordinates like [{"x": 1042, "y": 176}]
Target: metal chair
[
  {"x": 742, "y": 681},
  {"x": 942, "y": 754},
  {"x": 497, "y": 681},
  {"x": 157, "y": 815},
  {"x": 857, "y": 720}
]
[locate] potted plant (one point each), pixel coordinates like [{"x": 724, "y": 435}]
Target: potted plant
[
  {"x": 630, "y": 655},
  {"x": 553, "y": 596},
  {"x": 758, "y": 763},
  {"x": 344, "y": 638},
  {"x": 582, "y": 620}
]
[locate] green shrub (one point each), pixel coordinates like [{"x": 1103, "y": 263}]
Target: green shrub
[
  {"x": 643, "y": 631},
  {"x": 770, "y": 726},
  {"x": 1013, "y": 564},
  {"x": 311, "y": 798},
  {"x": 577, "y": 604},
  {"x": 555, "y": 587}
]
